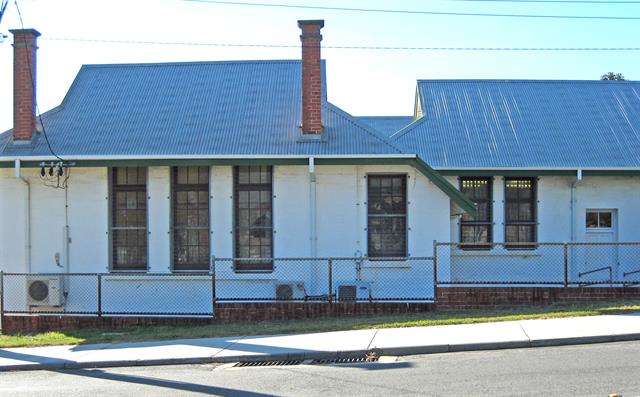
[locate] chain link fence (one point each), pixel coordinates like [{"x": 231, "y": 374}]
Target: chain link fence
[
  {"x": 560, "y": 264},
  {"x": 228, "y": 280}
]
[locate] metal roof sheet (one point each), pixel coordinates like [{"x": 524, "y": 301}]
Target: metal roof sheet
[
  {"x": 387, "y": 125},
  {"x": 526, "y": 123},
  {"x": 202, "y": 108}
]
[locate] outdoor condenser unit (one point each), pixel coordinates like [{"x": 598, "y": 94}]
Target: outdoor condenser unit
[
  {"x": 45, "y": 291},
  {"x": 359, "y": 290},
  {"x": 293, "y": 290}
]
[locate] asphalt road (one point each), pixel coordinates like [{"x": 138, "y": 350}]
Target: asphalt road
[{"x": 587, "y": 370}]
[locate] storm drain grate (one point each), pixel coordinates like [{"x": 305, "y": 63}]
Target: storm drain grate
[
  {"x": 268, "y": 363},
  {"x": 346, "y": 360}
]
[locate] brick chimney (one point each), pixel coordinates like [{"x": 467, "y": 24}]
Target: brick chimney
[
  {"x": 24, "y": 84},
  {"x": 311, "y": 76}
]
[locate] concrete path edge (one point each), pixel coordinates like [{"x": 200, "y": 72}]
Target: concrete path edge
[{"x": 313, "y": 355}]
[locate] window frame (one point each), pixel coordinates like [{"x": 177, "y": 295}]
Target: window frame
[
  {"x": 405, "y": 191},
  {"x": 237, "y": 188},
  {"x": 470, "y": 246},
  {"x": 112, "y": 190},
  {"x": 514, "y": 245},
  {"x": 174, "y": 188},
  {"x": 599, "y": 228}
]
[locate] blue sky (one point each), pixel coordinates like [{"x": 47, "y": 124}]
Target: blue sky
[{"x": 362, "y": 82}]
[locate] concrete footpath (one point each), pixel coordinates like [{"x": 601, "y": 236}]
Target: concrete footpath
[{"x": 386, "y": 341}]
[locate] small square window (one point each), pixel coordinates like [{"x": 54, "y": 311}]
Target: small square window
[{"x": 599, "y": 219}]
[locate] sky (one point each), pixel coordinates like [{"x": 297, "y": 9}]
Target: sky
[{"x": 362, "y": 82}]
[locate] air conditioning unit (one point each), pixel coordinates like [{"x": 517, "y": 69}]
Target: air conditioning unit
[
  {"x": 289, "y": 291},
  {"x": 45, "y": 291},
  {"x": 351, "y": 291}
]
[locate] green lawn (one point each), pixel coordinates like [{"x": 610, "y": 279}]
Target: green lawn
[{"x": 148, "y": 333}]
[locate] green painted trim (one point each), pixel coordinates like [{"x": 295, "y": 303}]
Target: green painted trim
[
  {"x": 167, "y": 162},
  {"x": 538, "y": 172},
  {"x": 456, "y": 195},
  {"x": 611, "y": 173},
  {"x": 507, "y": 173}
]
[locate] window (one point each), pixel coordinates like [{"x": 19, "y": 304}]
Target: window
[
  {"x": 599, "y": 219},
  {"x": 520, "y": 211},
  {"x": 477, "y": 230},
  {"x": 253, "y": 219},
  {"x": 387, "y": 216},
  {"x": 190, "y": 209},
  {"x": 129, "y": 218}
]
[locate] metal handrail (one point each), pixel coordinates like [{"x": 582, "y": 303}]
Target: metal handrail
[
  {"x": 597, "y": 270},
  {"x": 625, "y": 274}
]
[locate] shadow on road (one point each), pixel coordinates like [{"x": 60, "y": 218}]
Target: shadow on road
[{"x": 164, "y": 383}]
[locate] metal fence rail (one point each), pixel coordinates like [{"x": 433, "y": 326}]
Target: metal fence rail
[
  {"x": 547, "y": 263},
  {"x": 312, "y": 280}
]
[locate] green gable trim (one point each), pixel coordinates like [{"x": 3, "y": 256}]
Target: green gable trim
[{"x": 467, "y": 205}]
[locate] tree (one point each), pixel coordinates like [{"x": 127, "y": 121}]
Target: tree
[{"x": 612, "y": 76}]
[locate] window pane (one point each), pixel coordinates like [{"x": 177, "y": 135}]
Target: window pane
[
  {"x": 191, "y": 218},
  {"x": 604, "y": 219},
  {"x": 253, "y": 223},
  {"x": 474, "y": 233},
  {"x": 387, "y": 237},
  {"x": 128, "y": 218},
  {"x": 520, "y": 210}
]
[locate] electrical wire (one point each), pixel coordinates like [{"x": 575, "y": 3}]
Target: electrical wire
[
  {"x": 33, "y": 84},
  {"x": 552, "y": 1},
  {"x": 414, "y": 12},
  {"x": 341, "y": 47}
]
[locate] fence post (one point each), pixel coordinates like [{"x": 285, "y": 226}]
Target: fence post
[
  {"x": 566, "y": 265},
  {"x": 435, "y": 270},
  {"x": 213, "y": 286},
  {"x": 330, "y": 267},
  {"x": 99, "y": 295},
  {"x": 2, "y": 300}
]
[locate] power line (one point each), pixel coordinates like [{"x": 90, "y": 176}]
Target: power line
[
  {"x": 553, "y": 1},
  {"x": 341, "y": 47},
  {"x": 33, "y": 84},
  {"x": 414, "y": 12}
]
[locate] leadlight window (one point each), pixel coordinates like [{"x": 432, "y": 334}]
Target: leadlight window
[
  {"x": 253, "y": 218},
  {"x": 190, "y": 208},
  {"x": 477, "y": 231},
  {"x": 520, "y": 212},
  {"x": 129, "y": 218},
  {"x": 387, "y": 216}
]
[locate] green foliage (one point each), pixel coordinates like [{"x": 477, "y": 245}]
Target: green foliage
[{"x": 612, "y": 76}]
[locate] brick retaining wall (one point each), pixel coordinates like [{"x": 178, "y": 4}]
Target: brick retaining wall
[{"x": 481, "y": 297}]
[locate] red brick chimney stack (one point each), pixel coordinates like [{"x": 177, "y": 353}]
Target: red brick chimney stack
[
  {"x": 24, "y": 83},
  {"x": 311, "y": 76}
]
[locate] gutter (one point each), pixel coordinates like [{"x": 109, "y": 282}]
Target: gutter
[{"x": 27, "y": 246}]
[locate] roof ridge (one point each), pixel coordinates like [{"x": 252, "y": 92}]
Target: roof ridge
[
  {"x": 191, "y": 63},
  {"x": 558, "y": 81}
]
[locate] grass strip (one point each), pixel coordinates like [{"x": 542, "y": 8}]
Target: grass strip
[{"x": 439, "y": 317}]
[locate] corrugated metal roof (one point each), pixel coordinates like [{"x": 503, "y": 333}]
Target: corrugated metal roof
[
  {"x": 387, "y": 125},
  {"x": 526, "y": 123},
  {"x": 203, "y": 108}
]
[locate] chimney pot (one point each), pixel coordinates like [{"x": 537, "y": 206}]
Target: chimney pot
[
  {"x": 311, "y": 76},
  {"x": 24, "y": 83}
]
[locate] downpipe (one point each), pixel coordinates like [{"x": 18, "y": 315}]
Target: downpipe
[{"x": 27, "y": 247}]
